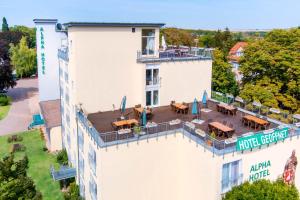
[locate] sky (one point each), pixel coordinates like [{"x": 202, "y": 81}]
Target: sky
[{"x": 195, "y": 14}]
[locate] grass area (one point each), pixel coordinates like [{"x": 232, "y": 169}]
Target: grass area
[
  {"x": 39, "y": 163},
  {"x": 3, "y": 111}
]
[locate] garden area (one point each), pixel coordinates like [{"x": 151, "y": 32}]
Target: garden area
[
  {"x": 5, "y": 102},
  {"x": 30, "y": 143}
]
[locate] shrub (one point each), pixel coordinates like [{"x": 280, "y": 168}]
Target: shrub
[
  {"x": 62, "y": 157},
  {"x": 14, "y": 138},
  {"x": 4, "y": 100},
  {"x": 17, "y": 148},
  {"x": 249, "y": 106},
  {"x": 73, "y": 192}
]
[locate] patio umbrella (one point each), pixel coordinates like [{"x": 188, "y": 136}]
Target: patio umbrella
[
  {"x": 204, "y": 98},
  {"x": 144, "y": 118},
  {"x": 123, "y": 104},
  {"x": 195, "y": 107}
]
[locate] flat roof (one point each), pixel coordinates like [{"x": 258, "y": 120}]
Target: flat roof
[
  {"x": 51, "y": 113},
  {"x": 45, "y": 20},
  {"x": 112, "y": 24}
]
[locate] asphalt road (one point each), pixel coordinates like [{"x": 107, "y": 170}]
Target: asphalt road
[{"x": 24, "y": 105}]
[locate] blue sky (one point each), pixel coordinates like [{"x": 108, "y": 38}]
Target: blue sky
[{"x": 202, "y": 14}]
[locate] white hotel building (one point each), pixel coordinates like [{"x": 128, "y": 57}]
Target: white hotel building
[{"x": 173, "y": 159}]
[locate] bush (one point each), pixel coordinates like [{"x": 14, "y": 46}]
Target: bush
[
  {"x": 14, "y": 138},
  {"x": 4, "y": 100},
  {"x": 62, "y": 157},
  {"x": 73, "y": 192}
]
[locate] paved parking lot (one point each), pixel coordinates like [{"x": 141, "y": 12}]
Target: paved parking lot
[{"x": 24, "y": 105}]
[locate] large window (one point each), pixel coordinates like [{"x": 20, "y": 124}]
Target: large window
[
  {"x": 92, "y": 159},
  {"x": 93, "y": 188},
  {"x": 231, "y": 175},
  {"x": 152, "y": 77},
  {"x": 148, "y": 41},
  {"x": 80, "y": 140},
  {"x": 81, "y": 165}
]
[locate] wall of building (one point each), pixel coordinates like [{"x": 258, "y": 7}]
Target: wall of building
[
  {"x": 55, "y": 138},
  {"x": 185, "y": 81},
  {"x": 48, "y": 40},
  {"x": 106, "y": 67},
  {"x": 277, "y": 154}
]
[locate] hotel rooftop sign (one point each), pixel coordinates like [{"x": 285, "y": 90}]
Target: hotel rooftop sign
[{"x": 261, "y": 138}]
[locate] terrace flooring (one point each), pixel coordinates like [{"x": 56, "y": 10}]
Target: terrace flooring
[{"x": 102, "y": 120}]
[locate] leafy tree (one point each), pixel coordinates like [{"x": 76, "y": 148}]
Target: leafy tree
[
  {"x": 30, "y": 34},
  {"x": 14, "y": 183},
  {"x": 223, "y": 79},
  {"x": 23, "y": 58},
  {"x": 273, "y": 63},
  {"x": 7, "y": 38},
  {"x": 62, "y": 157},
  {"x": 178, "y": 37},
  {"x": 6, "y": 77},
  {"x": 263, "y": 190},
  {"x": 4, "y": 25}
]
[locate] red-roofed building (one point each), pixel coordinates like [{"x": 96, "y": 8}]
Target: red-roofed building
[{"x": 234, "y": 57}]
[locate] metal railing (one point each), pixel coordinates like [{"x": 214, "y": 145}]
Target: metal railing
[
  {"x": 175, "y": 55},
  {"x": 63, "y": 173},
  {"x": 218, "y": 147}
]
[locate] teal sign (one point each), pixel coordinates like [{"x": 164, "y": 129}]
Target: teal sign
[
  {"x": 42, "y": 50},
  {"x": 259, "y": 139},
  {"x": 259, "y": 170}
]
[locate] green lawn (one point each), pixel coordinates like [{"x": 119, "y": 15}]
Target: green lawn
[
  {"x": 39, "y": 163},
  {"x": 3, "y": 111}
]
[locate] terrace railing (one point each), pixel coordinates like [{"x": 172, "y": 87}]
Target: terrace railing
[
  {"x": 175, "y": 55},
  {"x": 63, "y": 173},
  {"x": 218, "y": 147},
  {"x": 63, "y": 54}
]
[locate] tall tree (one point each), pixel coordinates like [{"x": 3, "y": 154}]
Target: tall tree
[
  {"x": 4, "y": 25},
  {"x": 223, "y": 79},
  {"x": 28, "y": 32},
  {"x": 6, "y": 77},
  {"x": 23, "y": 59},
  {"x": 273, "y": 63},
  {"x": 263, "y": 189},
  {"x": 14, "y": 183}
]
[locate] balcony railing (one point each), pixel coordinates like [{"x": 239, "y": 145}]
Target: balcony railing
[
  {"x": 63, "y": 173},
  {"x": 63, "y": 54},
  {"x": 175, "y": 55},
  {"x": 218, "y": 147}
]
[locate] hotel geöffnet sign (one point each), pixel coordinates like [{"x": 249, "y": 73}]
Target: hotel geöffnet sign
[{"x": 259, "y": 139}]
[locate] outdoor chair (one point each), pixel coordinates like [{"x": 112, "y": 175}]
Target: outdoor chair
[
  {"x": 138, "y": 106},
  {"x": 224, "y": 122}
]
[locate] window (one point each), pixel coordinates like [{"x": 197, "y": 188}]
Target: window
[
  {"x": 80, "y": 140},
  {"x": 148, "y": 41},
  {"x": 92, "y": 159},
  {"x": 231, "y": 175},
  {"x": 67, "y": 98},
  {"x": 152, "y": 77},
  {"x": 68, "y": 119},
  {"x": 66, "y": 77},
  {"x": 93, "y": 188},
  {"x": 81, "y": 165},
  {"x": 81, "y": 187},
  {"x": 152, "y": 98}
]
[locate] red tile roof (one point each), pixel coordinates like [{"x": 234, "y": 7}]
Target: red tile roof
[{"x": 234, "y": 50}]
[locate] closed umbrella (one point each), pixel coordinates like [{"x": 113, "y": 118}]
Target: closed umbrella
[
  {"x": 123, "y": 104},
  {"x": 195, "y": 107},
  {"x": 204, "y": 98},
  {"x": 144, "y": 118}
]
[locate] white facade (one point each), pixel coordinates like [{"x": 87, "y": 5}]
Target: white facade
[{"x": 48, "y": 40}]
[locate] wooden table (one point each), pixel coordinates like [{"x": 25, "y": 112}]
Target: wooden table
[
  {"x": 180, "y": 107},
  {"x": 125, "y": 123},
  {"x": 256, "y": 120},
  {"x": 221, "y": 127},
  {"x": 140, "y": 110},
  {"x": 227, "y": 108}
]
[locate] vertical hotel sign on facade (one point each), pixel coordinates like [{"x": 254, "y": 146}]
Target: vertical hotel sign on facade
[{"x": 43, "y": 60}]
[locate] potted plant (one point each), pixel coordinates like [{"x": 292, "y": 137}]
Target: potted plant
[
  {"x": 137, "y": 130},
  {"x": 210, "y": 140}
]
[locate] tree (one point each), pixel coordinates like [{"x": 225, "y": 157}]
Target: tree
[
  {"x": 178, "y": 37},
  {"x": 72, "y": 193},
  {"x": 272, "y": 66},
  {"x": 23, "y": 58},
  {"x": 14, "y": 183},
  {"x": 4, "y": 25},
  {"x": 263, "y": 190},
  {"x": 30, "y": 34},
  {"x": 6, "y": 77},
  {"x": 223, "y": 79}
]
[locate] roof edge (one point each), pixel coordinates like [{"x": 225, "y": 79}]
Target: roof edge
[
  {"x": 112, "y": 24},
  {"x": 45, "y": 21}
]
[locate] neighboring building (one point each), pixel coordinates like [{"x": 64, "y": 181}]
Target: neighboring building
[
  {"x": 50, "y": 111},
  {"x": 235, "y": 54},
  {"x": 49, "y": 38},
  {"x": 172, "y": 156}
]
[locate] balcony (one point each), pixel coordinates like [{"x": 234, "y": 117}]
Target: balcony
[
  {"x": 173, "y": 55},
  {"x": 63, "y": 173}
]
